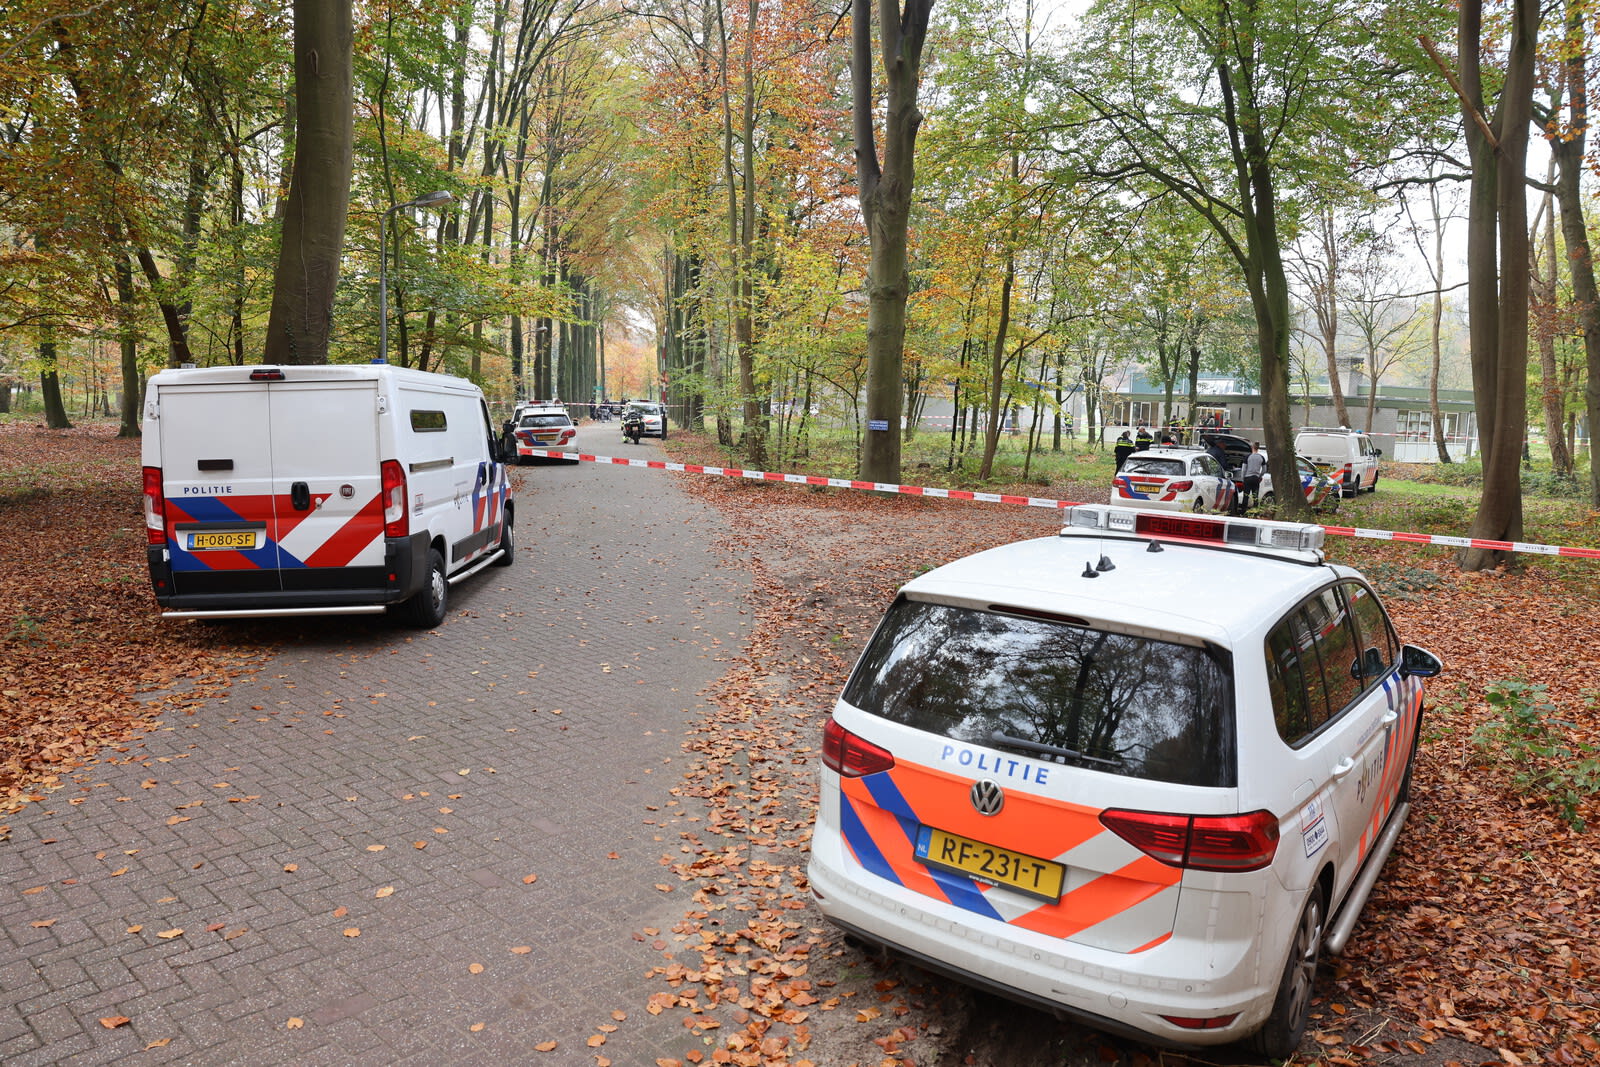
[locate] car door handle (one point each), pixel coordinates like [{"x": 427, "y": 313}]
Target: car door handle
[
  {"x": 300, "y": 496},
  {"x": 1344, "y": 767},
  {"x": 1389, "y": 719}
]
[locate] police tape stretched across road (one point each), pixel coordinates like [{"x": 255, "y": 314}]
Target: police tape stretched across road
[{"x": 1571, "y": 551}]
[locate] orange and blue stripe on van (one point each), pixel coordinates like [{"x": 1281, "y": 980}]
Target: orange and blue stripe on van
[
  {"x": 279, "y": 518},
  {"x": 1114, "y": 896}
]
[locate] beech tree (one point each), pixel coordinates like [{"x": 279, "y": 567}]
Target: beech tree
[
  {"x": 885, "y": 182},
  {"x": 1236, "y": 108},
  {"x": 1496, "y": 112},
  {"x": 319, "y": 188}
]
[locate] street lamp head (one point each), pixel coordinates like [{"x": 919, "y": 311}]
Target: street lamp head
[{"x": 431, "y": 199}]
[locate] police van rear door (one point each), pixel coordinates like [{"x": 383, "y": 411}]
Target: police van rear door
[{"x": 216, "y": 463}]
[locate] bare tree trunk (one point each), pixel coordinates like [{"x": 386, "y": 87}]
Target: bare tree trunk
[
  {"x": 885, "y": 193},
  {"x": 127, "y": 328},
  {"x": 1568, "y": 151},
  {"x": 997, "y": 371},
  {"x": 55, "y": 407},
  {"x": 301, "y": 319},
  {"x": 1497, "y": 234},
  {"x": 1545, "y": 282}
]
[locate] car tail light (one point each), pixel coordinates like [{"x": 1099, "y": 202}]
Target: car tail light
[
  {"x": 1181, "y": 487},
  {"x": 267, "y": 374},
  {"x": 1199, "y": 842},
  {"x": 155, "y": 508},
  {"x": 395, "y": 521},
  {"x": 852, "y": 756}
]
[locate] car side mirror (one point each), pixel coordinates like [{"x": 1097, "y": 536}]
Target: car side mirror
[
  {"x": 1418, "y": 662},
  {"x": 1369, "y": 665}
]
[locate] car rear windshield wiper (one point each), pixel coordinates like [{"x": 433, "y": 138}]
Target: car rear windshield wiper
[{"x": 1000, "y": 737}]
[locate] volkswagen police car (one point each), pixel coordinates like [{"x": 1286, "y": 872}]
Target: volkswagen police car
[{"x": 1142, "y": 773}]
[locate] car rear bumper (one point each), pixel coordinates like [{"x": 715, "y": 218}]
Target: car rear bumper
[{"x": 1125, "y": 993}]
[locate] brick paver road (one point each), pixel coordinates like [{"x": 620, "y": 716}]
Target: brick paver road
[{"x": 331, "y": 865}]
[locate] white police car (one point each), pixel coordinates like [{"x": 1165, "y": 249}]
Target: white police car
[
  {"x": 541, "y": 426},
  {"x": 1142, "y": 773},
  {"x": 1173, "y": 478}
]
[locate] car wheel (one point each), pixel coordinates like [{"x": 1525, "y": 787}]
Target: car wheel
[
  {"x": 508, "y": 545},
  {"x": 1266, "y": 500},
  {"x": 1280, "y": 1035},
  {"x": 1199, "y": 504},
  {"x": 426, "y": 608}
]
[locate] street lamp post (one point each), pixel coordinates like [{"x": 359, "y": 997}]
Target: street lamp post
[{"x": 425, "y": 200}]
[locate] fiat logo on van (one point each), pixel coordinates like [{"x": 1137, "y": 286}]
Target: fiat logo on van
[{"x": 987, "y": 797}]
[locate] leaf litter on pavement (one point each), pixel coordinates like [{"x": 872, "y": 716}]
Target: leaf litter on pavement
[{"x": 1481, "y": 930}]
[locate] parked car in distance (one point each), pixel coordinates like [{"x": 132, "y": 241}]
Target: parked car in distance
[
  {"x": 655, "y": 417},
  {"x": 1319, "y": 489},
  {"x": 1349, "y": 456},
  {"x": 541, "y": 426},
  {"x": 1173, "y": 478},
  {"x": 1064, "y": 771}
]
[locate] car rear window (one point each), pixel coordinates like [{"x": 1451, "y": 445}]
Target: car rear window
[
  {"x": 546, "y": 420},
  {"x": 1108, "y": 701},
  {"x": 1165, "y": 467}
]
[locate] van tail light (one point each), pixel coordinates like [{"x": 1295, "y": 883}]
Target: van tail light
[
  {"x": 396, "y": 523},
  {"x": 1199, "y": 842},
  {"x": 852, "y": 756},
  {"x": 155, "y": 508}
]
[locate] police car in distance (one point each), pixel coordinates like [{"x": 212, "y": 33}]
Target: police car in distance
[
  {"x": 1173, "y": 478},
  {"x": 1143, "y": 773},
  {"x": 655, "y": 417},
  {"x": 537, "y": 426}
]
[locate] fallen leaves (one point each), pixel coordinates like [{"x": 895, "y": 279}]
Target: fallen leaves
[
  {"x": 111, "y": 1022},
  {"x": 96, "y": 609}
]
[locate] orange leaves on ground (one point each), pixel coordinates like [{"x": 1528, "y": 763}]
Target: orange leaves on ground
[
  {"x": 546, "y": 1046},
  {"x": 111, "y": 1022},
  {"x": 529, "y": 879}
]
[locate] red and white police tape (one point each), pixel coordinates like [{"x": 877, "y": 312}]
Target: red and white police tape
[{"x": 1041, "y": 502}]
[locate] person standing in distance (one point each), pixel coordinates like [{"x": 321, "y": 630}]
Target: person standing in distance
[{"x": 1255, "y": 465}]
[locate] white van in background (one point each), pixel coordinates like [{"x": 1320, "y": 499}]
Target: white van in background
[
  {"x": 1349, "y": 455},
  {"x": 319, "y": 490}
]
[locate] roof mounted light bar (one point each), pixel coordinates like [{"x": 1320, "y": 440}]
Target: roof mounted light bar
[{"x": 1302, "y": 541}]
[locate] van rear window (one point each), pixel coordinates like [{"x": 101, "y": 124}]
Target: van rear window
[
  {"x": 428, "y": 421},
  {"x": 1055, "y": 691}
]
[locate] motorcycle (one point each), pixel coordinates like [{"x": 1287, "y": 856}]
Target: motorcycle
[{"x": 633, "y": 426}]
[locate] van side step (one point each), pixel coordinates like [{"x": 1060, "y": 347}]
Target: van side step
[
  {"x": 272, "y": 613},
  {"x": 476, "y": 567}
]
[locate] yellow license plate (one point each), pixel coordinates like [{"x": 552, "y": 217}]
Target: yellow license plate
[
  {"x": 991, "y": 864},
  {"x": 238, "y": 540}
]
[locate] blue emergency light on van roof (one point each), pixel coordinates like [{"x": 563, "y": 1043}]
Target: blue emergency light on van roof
[{"x": 267, "y": 374}]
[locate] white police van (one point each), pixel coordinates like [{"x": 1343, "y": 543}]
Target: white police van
[
  {"x": 319, "y": 490},
  {"x": 1143, "y": 773}
]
